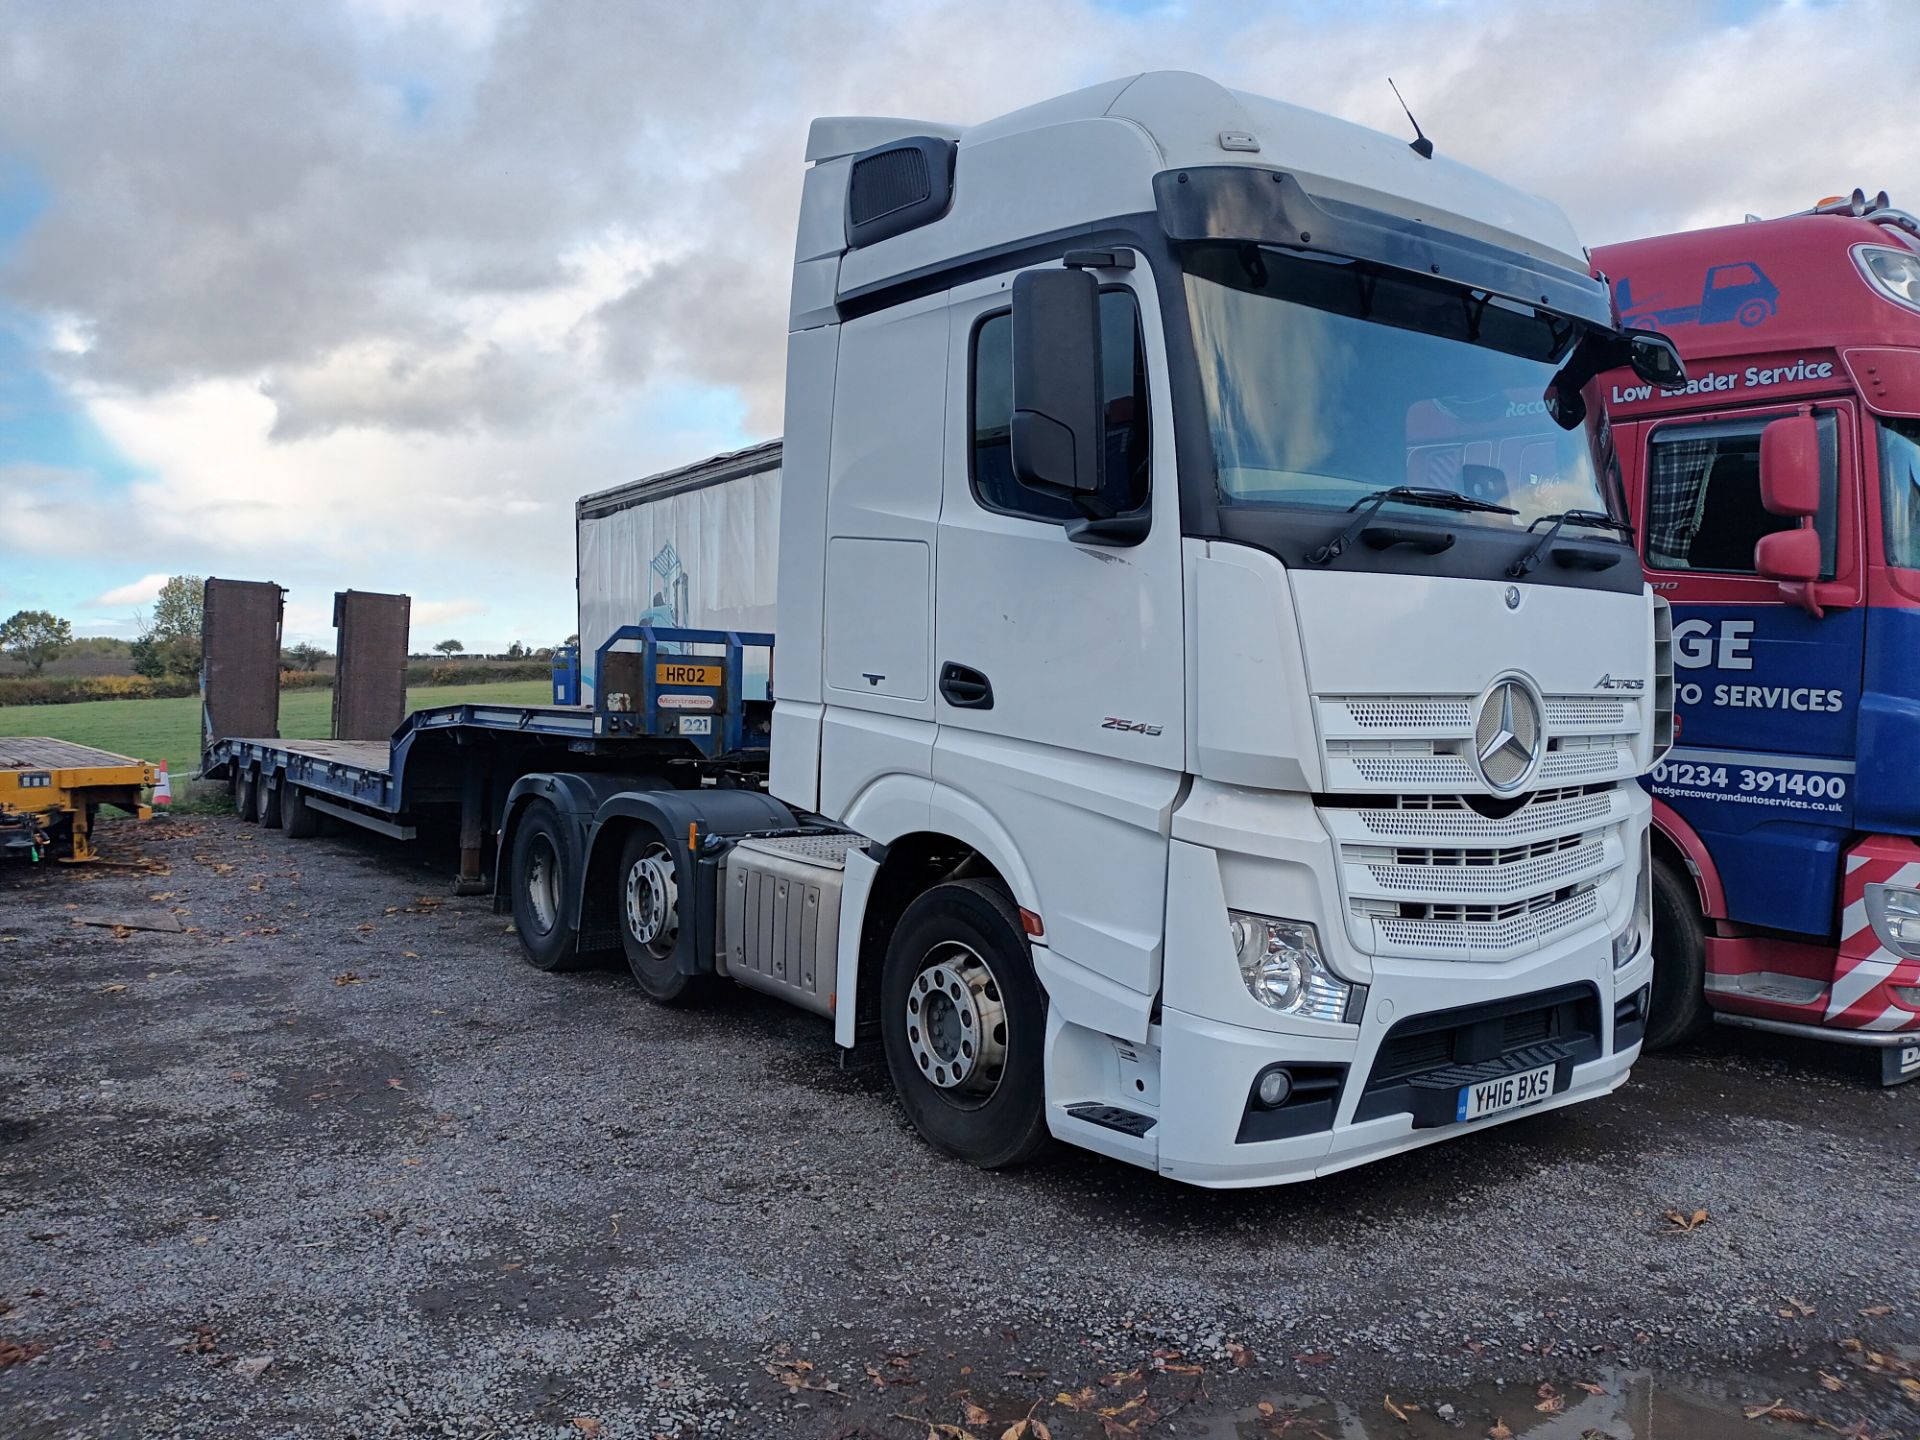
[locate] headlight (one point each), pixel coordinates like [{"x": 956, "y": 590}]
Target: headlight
[
  {"x": 1895, "y": 273},
  {"x": 1895, "y": 915},
  {"x": 1639, "y": 925},
  {"x": 1280, "y": 962}
]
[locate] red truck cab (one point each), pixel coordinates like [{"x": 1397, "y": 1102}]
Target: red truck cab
[{"x": 1777, "y": 504}]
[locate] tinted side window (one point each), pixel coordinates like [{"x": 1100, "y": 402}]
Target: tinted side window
[
  {"x": 1703, "y": 498},
  {"x": 1123, "y": 392}
]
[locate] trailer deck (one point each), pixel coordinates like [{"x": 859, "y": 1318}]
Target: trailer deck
[
  {"x": 676, "y": 707},
  {"x": 50, "y": 789}
]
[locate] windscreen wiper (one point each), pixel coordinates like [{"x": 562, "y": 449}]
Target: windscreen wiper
[
  {"x": 1369, "y": 505},
  {"x": 1590, "y": 559}
]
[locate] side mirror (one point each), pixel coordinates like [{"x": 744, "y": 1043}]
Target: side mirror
[
  {"x": 1790, "y": 466},
  {"x": 1057, "y": 436},
  {"x": 1656, "y": 359},
  {"x": 1790, "y": 556}
]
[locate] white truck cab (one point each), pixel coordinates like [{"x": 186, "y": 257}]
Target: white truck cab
[{"x": 1211, "y": 678}]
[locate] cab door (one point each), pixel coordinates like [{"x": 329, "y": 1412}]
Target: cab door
[
  {"x": 1060, "y": 681},
  {"x": 1767, "y": 694}
]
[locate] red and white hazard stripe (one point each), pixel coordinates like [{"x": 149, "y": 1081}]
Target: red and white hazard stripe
[{"x": 1865, "y": 971}]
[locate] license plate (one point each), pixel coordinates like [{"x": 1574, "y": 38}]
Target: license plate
[
  {"x": 696, "y": 724},
  {"x": 681, "y": 672},
  {"x": 1509, "y": 1092}
]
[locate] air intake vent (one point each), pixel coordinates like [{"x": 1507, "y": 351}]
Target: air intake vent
[
  {"x": 898, "y": 187},
  {"x": 1663, "y": 690}
]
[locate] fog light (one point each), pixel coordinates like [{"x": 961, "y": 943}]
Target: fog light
[
  {"x": 1908, "y": 995},
  {"x": 1281, "y": 966},
  {"x": 1894, "y": 913},
  {"x": 1273, "y": 1087}
]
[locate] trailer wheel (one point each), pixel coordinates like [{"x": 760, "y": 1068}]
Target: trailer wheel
[
  {"x": 269, "y": 801},
  {"x": 297, "y": 818},
  {"x": 649, "y": 906},
  {"x": 1678, "y": 1010},
  {"x": 543, "y": 886},
  {"x": 250, "y": 797},
  {"x": 237, "y": 788},
  {"x": 963, "y": 1023}
]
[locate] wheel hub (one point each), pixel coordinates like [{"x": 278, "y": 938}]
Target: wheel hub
[
  {"x": 956, "y": 1022},
  {"x": 653, "y": 902}
]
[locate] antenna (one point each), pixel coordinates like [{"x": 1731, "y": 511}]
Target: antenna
[{"x": 1420, "y": 145}]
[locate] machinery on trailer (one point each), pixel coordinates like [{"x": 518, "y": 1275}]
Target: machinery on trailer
[
  {"x": 1174, "y": 744},
  {"x": 52, "y": 790},
  {"x": 1778, "y": 499}
]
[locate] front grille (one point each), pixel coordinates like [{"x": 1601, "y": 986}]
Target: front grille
[
  {"x": 1467, "y": 878},
  {"x": 1426, "y": 1059},
  {"x": 1431, "y": 742}
]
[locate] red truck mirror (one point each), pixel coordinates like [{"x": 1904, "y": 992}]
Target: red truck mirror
[
  {"x": 1789, "y": 556},
  {"x": 1790, "y": 466}
]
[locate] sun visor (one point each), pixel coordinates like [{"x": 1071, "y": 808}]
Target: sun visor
[{"x": 1233, "y": 202}]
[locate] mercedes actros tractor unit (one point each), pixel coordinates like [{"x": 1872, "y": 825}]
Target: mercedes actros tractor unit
[{"x": 1212, "y": 675}]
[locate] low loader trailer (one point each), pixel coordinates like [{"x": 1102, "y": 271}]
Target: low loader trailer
[
  {"x": 52, "y": 790},
  {"x": 1213, "y": 669}
]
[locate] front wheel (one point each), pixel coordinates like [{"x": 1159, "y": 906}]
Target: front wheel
[
  {"x": 1678, "y": 1010},
  {"x": 649, "y": 903},
  {"x": 963, "y": 1025},
  {"x": 543, "y": 889}
]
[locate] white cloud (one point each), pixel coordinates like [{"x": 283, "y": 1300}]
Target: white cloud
[
  {"x": 369, "y": 293},
  {"x": 143, "y": 591}
]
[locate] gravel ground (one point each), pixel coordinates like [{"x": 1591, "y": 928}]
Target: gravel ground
[{"x": 332, "y": 1160}]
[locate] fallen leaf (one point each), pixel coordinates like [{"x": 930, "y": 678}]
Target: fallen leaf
[
  {"x": 349, "y": 978},
  {"x": 1590, "y": 1387},
  {"x": 586, "y": 1425},
  {"x": 1684, "y": 1222},
  {"x": 411, "y": 954},
  {"x": 1239, "y": 1354},
  {"x": 1795, "y": 1307},
  {"x": 1874, "y": 1312},
  {"x": 974, "y": 1415},
  {"x": 14, "y": 1352},
  {"x": 393, "y": 1083},
  {"x": 110, "y": 989},
  {"x": 1077, "y": 1401},
  {"x": 1832, "y": 1382},
  {"x": 1395, "y": 1411},
  {"x": 1778, "y": 1410},
  {"x": 1499, "y": 1431}
]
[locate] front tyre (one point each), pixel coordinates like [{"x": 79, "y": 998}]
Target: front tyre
[
  {"x": 649, "y": 904},
  {"x": 1678, "y": 1010},
  {"x": 963, "y": 1024},
  {"x": 543, "y": 890}
]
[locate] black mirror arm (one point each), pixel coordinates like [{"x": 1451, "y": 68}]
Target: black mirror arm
[{"x": 1115, "y": 532}]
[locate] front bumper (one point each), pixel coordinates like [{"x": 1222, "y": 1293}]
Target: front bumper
[{"x": 1208, "y": 1068}]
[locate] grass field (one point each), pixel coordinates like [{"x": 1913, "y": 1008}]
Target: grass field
[{"x": 169, "y": 730}]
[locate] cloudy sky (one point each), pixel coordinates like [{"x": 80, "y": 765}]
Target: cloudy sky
[{"x": 365, "y": 293}]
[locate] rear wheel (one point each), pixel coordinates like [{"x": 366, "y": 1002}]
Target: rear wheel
[
  {"x": 1678, "y": 1010},
  {"x": 249, "y": 797},
  {"x": 271, "y": 789},
  {"x": 300, "y": 820},
  {"x": 543, "y": 887},
  {"x": 963, "y": 1024},
  {"x": 649, "y": 903}
]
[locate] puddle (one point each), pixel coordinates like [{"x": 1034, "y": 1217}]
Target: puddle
[{"x": 1632, "y": 1405}]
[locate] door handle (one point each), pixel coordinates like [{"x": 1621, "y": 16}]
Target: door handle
[{"x": 965, "y": 688}]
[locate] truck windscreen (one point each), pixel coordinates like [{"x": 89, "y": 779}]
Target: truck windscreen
[{"x": 1327, "y": 380}]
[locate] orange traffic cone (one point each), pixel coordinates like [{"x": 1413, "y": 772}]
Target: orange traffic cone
[{"x": 163, "y": 787}]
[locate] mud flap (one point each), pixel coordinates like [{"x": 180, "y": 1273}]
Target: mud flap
[{"x": 1900, "y": 1063}]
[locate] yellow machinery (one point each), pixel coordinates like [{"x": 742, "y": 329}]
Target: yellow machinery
[{"x": 50, "y": 791}]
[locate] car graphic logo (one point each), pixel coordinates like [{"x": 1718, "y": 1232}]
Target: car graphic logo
[
  {"x": 1507, "y": 735},
  {"x": 1513, "y": 597}
]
